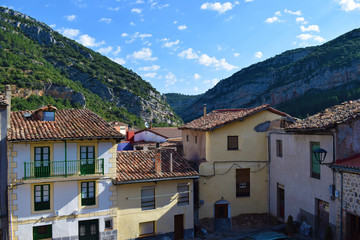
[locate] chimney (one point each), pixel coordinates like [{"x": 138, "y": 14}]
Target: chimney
[
  {"x": 8, "y": 98},
  {"x": 158, "y": 160},
  {"x": 204, "y": 114}
]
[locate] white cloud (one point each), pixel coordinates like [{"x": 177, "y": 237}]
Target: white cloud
[
  {"x": 170, "y": 79},
  {"x": 136, "y": 35},
  {"x": 171, "y": 44},
  {"x": 52, "y": 25},
  {"x": 143, "y": 54},
  {"x": 236, "y": 54},
  {"x": 144, "y": 35},
  {"x": 211, "y": 82},
  {"x": 132, "y": 23},
  {"x": 195, "y": 89},
  {"x": 297, "y": 13},
  {"x": 272, "y": 20},
  {"x": 105, "y": 50},
  {"x": 118, "y": 60},
  {"x": 220, "y": 8},
  {"x": 88, "y": 41},
  {"x": 139, "y": 1},
  {"x": 258, "y": 54},
  {"x": 278, "y": 13},
  {"x": 306, "y": 36},
  {"x": 150, "y": 75},
  {"x": 182, "y": 27},
  {"x": 218, "y": 64},
  {"x": 151, "y": 68},
  {"x": 124, "y": 34},
  {"x": 175, "y": 22},
  {"x": 300, "y": 19},
  {"x": 197, "y": 76},
  {"x": 311, "y": 28},
  {"x": 188, "y": 54},
  {"x": 117, "y": 51},
  {"x": 105, "y": 20},
  {"x": 136, "y": 10},
  {"x": 114, "y": 9},
  {"x": 349, "y": 5},
  {"x": 249, "y": 0},
  {"x": 69, "y": 32},
  {"x": 70, "y": 18}
]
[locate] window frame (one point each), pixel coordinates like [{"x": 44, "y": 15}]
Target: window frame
[
  {"x": 183, "y": 198},
  {"x": 279, "y": 148},
  {"x": 148, "y": 234},
  {"x": 144, "y": 203},
  {"x": 229, "y": 148},
  {"x": 88, "y": 201},
  {"x": 240, "y": 179},
  {"x": 51, "y": 198},
  {"x": 48, "y": 118},
  {"x": 313, "y": 162},
  {"x": 42, "y": 205}
]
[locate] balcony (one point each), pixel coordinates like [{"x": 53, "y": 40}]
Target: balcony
[{"x": 51, "y": 169}]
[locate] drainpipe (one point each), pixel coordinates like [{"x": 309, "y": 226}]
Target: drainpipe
[
  {"x": 65, "y": 158},
  {"x": 269, "y": 159},
  {"x": 341, "y": 205}
]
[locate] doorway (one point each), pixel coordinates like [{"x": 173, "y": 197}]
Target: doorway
[
  {"x": 89, "y": 230},
  {"x": 222, "y": 216},
  {"x": 352, "y": 227},
  {"x": 42, "y": 232},
  {"x": 281, "y": 202},
  {"x": 179, "y": 227},
  {"x": 322, "y": 218}
]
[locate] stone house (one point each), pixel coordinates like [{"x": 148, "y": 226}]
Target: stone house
[
  {"x": 155, "y": 195},
  {"x": 61, "y": 166},
  {"x": 230, "y": 149}
]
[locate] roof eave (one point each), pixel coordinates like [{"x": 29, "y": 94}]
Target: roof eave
[
  {"x": 63, "y": 139},
  {"x": 155, "y": 180}
]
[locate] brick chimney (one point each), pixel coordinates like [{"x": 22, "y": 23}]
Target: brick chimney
[
  {"x": 158, "y": 160},
  {"x": 8, "y": 98}
]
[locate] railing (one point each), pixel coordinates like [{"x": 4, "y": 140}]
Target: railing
[{"x": 63, "y": 168}]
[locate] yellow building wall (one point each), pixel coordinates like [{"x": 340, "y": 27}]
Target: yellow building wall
[
  {"x": 252, "y": 154},
  {"x": 130, "y": 214}
]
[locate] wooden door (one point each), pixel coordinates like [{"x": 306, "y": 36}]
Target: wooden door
[
  {"x": 89, "y": 230},
  {"x": 281, "y": 203},
  {"x": 179, "y": 227},
  {"x": 322, "y": 218},
  {"x": 353, "y": 227},
  {"x": 221, "y": 210}
]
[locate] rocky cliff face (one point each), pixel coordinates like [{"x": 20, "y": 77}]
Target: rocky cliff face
[
  {"x": 285, "y": 77},
  {"x": 89, "y": 70}
]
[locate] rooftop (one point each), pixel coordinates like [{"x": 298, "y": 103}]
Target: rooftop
[
  {"x": 328, "y": 118},
  {"x": 352, "y": 162},
  {"x": 218, "y": 118},
  {"x": 3, "y": 100},
  {"x": 134, "y": 166},
  {"x": 68, "y": 124},
  {"x": 166, "y": 132}
]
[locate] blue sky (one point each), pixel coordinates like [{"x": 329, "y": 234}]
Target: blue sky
[{"x": 187, "y": 46}]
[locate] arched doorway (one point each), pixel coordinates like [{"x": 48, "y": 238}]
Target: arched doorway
[{"x": 222, "y": 216}]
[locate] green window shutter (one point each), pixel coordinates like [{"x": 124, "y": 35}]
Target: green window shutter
[
  {"x": 88, "y": 193},
  {"x": 315, "y": 165}
]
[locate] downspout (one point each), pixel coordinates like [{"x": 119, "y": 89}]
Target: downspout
[
  {"x": 269, "y": 159},
  {"x": 65, "y": 158},
  {"x": 10, "y": 190},
  {"x": 341, "y": 205}
]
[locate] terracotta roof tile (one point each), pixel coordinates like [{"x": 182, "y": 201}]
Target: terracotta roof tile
[
  {"x": 68, "y": 124},
  {"x": 352, "y": 162},
  {"x": 135, "y": 166},
  {"x": 329, "y": 118},
  {"x": 218, "y": 118}
]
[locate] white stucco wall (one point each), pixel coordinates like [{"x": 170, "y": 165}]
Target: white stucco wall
[
  {"x": 148, "y": 137},
  {"x": 293, "y": 171},
  {"x": 103, "y": 152}
]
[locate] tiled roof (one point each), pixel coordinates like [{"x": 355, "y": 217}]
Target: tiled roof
[
  {"x": 166, "y": 132},
  {"x": 68, "y": 124},
  {"x": 218, "y": 118},
  {"x": 329, "y": 118},
  {"x": 352, "y": 162},
  {"x": 133, "y": 166}
]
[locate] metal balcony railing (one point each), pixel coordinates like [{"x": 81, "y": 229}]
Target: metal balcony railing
[{"x": 63, "y": 168}]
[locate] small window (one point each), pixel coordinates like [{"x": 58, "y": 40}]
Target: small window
[
  {"x": 183, "y": 194},
  {"x": 187, "y": 138},
  {"x": 48, "y": 116},
  {"x": 195, "y": 139},
  {"x": 315, "y": 165},
  {"x": 148, "y": 198},
  {"x": 108, "y": 224},
  {"x": 87, "y": 193},
  {"x": 233, "y": 143},
  {"x": 147, "y": 228},
  {"x": 243, "y": 182},
  {"x": 42, "y": 232},
  {"x": 279, "y": 152},
  {"x": 42, "y": 197}
]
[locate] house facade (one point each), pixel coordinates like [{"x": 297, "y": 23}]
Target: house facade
[
  {"x": 61, "y": 166},
  {"x": 5, "y": 103},
  {"x": 155, "y": 195},
  {"x": 230, "y": 147}
]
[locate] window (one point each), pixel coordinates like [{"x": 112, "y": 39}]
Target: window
[
  {"x": 187, "y": 138},
  {"x": 195, "y": 139},
  {"x": 147, "y": 198},
  {"x": 183, "y": 194},
  {"x": 243, "y": 182},
  {"x": 233, "y": 143},
  {"x": 108, "y": 224},
  {"x": 279, "y": 152},
  {"x": 87, "y": 193},
  {"x": 41, "y": 159},
  {"x": 48, "y": 116},
  {"x": 87, "y": 156},
  {"x": 147, "y": 228},
  {"x": 42, "y": 197},
  {"x": 315, "y": 165},
  {"x": 42, "y": 232}
]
